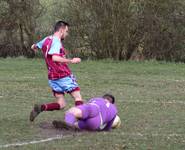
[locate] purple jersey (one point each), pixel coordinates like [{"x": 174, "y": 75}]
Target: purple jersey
[
  {"x": 108, "y": 111},
  {"x": 97, "y": 114}
]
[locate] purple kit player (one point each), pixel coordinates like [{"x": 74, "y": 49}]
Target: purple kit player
[
  {"x": 61, "y": 80},
  {"x": 96, "y": 115}
]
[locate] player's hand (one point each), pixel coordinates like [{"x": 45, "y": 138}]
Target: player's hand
[
  {"x": 75, "y": 60},
  {"x": 34, "y": 47}
]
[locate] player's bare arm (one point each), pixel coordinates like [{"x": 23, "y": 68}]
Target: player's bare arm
[{"x": 65, "y": 60}]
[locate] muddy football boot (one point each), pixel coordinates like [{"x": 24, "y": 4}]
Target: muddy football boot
[
  {"x": 35, "y": 112},
  {"x": 64, "y": 125}
]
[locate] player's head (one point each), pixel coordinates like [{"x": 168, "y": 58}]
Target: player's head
[
  {"x": 110, "y": 98},
  {"x": 62, "y": 27}
]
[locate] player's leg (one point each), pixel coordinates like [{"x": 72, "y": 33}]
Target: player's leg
[
  {"x": 74, "y": 90},
  {"x": 77, "y": 97},
  {"x": 81, "y": 112},
  {"x": 57, "y": 105},
  {"x": 85, "y": 116},
  {"x": 92, "y": 124},
  {"x": 91, "y": 118},
  {"x": 58, "y": 92},
  {"x": 72, "y": 115},
  {"x": 60, "y": 100},
  {"x": 63, "y": 125}
]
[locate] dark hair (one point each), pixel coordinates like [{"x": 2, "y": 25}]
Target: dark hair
[
  {"x": 109, "y": 97},
  {"x": 60, "y": 24}
]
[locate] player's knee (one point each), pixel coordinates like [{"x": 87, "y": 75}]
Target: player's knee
[
  {"x": 71, "y": 110},
  {"x": 75, "y": 111}
]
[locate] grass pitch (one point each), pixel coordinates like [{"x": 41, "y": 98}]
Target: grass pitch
[{"x": 150, "y": 97}]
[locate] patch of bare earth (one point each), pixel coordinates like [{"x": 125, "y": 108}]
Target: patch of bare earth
[{"x": 48, "y": 130}]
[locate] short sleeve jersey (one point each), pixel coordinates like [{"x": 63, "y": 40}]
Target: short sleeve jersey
[{"x": 50, "y": 46}]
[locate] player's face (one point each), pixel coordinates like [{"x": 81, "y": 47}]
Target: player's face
[{"x": 64, "y": 32}]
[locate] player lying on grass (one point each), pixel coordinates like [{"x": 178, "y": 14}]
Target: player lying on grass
[{"x": 96, "y": 115}]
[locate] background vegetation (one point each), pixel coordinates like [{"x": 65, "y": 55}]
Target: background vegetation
[{"x": 117, "y": 29}]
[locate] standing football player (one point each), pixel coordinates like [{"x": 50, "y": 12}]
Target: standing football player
[{"x": 60, "y": 78}]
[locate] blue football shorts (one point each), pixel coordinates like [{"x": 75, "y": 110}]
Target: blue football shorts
[{"x": 64, "y": 85}]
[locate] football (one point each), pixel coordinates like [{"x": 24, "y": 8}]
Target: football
[{"x": 117, "y": 122}]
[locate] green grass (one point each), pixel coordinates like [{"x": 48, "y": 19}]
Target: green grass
[{"x": 150, "y": 99}]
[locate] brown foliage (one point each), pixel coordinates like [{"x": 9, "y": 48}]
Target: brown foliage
[
  {"x": 122, "y": 29},
  {"x": 18, "y": 27}
]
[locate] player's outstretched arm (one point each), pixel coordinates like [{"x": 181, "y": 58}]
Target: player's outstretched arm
[
  {"x": 76, "y": 60},
  {"x": 65, "y": 60}
]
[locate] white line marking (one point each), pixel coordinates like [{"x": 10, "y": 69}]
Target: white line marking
[
  {"x": 58, "y": 137},
  {"x": 34, "y": 141},
  {"x": 27, "y": 77},
  {"x": 178, "y": 80}
]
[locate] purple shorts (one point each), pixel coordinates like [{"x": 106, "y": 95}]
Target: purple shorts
[{"x": 91, "y": 119}]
